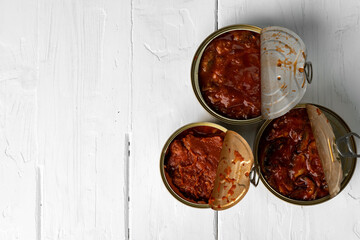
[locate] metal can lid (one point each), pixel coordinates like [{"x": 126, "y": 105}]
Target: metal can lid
[
  {"x": 326, "y": 147},
  {"x": 233, "y": 173},
  {"x": 283, "y": 71},
  {"x": 343, "y": 136}
]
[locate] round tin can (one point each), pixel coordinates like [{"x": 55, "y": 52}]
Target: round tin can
[
  {"x": 348, "y": 164},
  {"x": 164, "y": 151},
  {"x": 195, "y": 73}
]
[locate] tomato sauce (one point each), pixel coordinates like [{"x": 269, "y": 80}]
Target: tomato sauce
[
  {"x": 289, "y": 159},
  {"x": 191, "y": 162},
  {"x": 229, "y": 75}
]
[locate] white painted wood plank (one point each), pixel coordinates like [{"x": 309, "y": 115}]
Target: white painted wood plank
[
  {"x": 331, "y": 31},
  {"x": 83, "y": 105},
  {"x": 165, "y": 35},
  {"x": 65, "y": 70},
  {"x": 18, "y": 154}
]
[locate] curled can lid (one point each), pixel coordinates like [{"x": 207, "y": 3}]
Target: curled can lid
[
  {"x": 283, "y": 71},
  {"x": 232, "y": 178},
  {"x": 326, "y": 146}
]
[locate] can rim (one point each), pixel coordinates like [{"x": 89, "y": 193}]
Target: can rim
[
  {"x": 345, "y": 181},
  {"x": 163, "y": 154},
  {"x": 195, "y": 80}
]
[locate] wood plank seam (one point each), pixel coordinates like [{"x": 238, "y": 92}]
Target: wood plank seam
[
  {"x": 216, "y": 15},
  {"x": 39, "y": 201},
  {"x": 216, "y": 225},
  {"x": 128, "y": 135},
  {"x": 38, "y": 164},
  {"x": 127, "y": 153}
]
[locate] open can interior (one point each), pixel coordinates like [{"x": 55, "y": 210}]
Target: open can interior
[{"x": 340, "y": 128}]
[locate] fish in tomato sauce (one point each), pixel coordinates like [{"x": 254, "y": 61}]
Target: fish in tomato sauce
[
  {"x": 191, "y": 162},
  {"x": 229, "y": 75},
  {"x": 289, "y": 158}
]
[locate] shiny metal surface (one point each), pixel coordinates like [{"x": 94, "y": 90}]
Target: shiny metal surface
[
  {"x": 195, "y": 70},
  {"x": 162, "y": 161},
  {"x": 348, "y": 164},
  {"x": 283, "y": 74},
  {"x": 350, "y": 153}
]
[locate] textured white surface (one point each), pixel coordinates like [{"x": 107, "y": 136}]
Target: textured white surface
[{"x": 80, "y": 80}]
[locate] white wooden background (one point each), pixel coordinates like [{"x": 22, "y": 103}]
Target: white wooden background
[{"x": 84, "y": 82}]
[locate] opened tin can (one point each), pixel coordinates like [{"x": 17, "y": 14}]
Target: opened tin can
[
  {"x": 232, "y": 174},
  {"x": 345, "y": 153},
  {"x": 283, "y": 70},
  {"x": 205, "y": 165}
]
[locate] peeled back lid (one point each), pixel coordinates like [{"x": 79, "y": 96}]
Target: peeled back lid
[
  {"x": 283, "y": 71},
  {"x": 233, "y": 173},
  {"x": 326, "y": 146}
]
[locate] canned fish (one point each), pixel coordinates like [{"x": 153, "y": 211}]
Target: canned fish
[
  {"x": 293, "y": 153},
  {"x": 203, "y": 66},
  {"x": 242, "y": 74},
  {"x": 204, "y": 165}
]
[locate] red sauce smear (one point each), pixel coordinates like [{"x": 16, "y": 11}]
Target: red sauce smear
[
  {"x": 232, "y": 189},
  {"x": 228, "y": 171},
  {"x": 238, "y": 157},
  {"x": 229, "y": 75},
  {"x": 289, "y": 158},
  {"x": 192, "y": 160}
]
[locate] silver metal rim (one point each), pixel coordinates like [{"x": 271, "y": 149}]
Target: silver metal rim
[
  {"x": 195, "y": 80},
  {"x": 282, "y": 197},
  {"x": 163, "y": 155}
]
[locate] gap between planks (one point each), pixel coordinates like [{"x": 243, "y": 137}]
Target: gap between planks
[
  {"x": 127, "y": 152},
  {"x": 39, "y": 201},
  {"x": 216, "y": 13}
]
